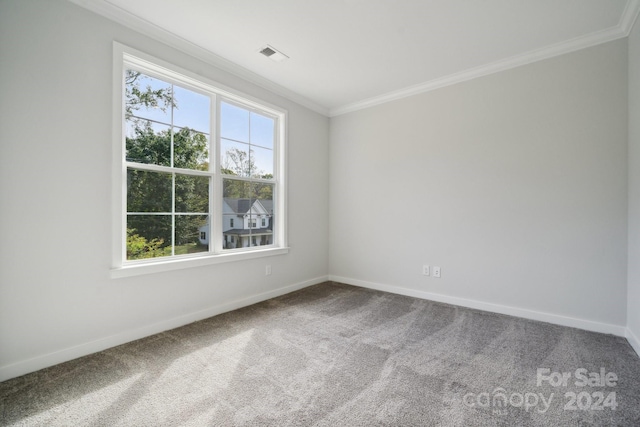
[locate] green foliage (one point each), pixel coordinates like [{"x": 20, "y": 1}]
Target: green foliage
[
  {"x": 190, "y": 148},
  {"x": 148, "y": 191},
  {"x": 147, "y": 146},
  {"x": 139, "y": 248},
  {"x": 137, "y": 97},
  {"x": 264, "y": 191},
  {"x": 238, "y": 189},
  {"x": 238, "y": 163}
]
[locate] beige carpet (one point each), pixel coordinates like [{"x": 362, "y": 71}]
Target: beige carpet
[{"x": 337, "y": 355}]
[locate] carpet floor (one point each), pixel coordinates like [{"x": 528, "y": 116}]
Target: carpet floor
[{"x": 339, "y": 355}]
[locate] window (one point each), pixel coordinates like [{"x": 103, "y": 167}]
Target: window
[
  {"x": 193, "y": 157},
  {"x": 264, "y": 222}
]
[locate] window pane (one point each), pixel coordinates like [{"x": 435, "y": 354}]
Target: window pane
[
  {"x": 147, "y": 97},
  {"x": 261, "y": 161},
  {"x": 237, "y": 189},
  {"x": 247, "y": 214},
  {"x": 192, "y": 193},
  {"x": 148, "y": 191},
  {"x": 148, "y": 236},
  {"x": 189, "y": 229},
  {"x": 234, "y": 158},
  {"x": 262, "y": 128},
  {"x": 190, "y": 149},
  {"x": 148, "y": 142},
  {"x": 263, "y": 209},
  {"x": 192, "y": 110},
  {"x": 234, "y": 122},
  {"x": 238, "y": 197},
  {"x": 231, "y": 226}
]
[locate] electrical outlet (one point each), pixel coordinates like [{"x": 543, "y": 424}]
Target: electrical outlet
[
  {"x": 267, "y": 270},
  {"x": 436, "y": 272},
  {"x": 425, "y": 270}
]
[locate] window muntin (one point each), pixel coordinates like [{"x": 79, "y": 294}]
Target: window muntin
[
  {"x": 167, "y": 205},
  {"x": 182, "y": 174}
]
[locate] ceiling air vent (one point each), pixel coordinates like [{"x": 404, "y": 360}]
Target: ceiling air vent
[{"x": 271, "y": 53}]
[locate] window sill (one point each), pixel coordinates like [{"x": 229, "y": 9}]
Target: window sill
[{"x": 181, "y": 263}]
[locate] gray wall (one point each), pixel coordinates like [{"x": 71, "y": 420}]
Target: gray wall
[
  {"x": 57, "y": 300},
  {"x": 514, "y": 184},
  {"x": 633, "y": 300}
]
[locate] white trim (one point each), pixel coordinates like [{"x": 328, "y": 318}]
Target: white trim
[
  {"x": 282, "y": 195},
  {"x": 160, "y": 67},
  {"x": 114, "y": 13},
  {"x": 152, "y": 265},
  {"x": 629, "y": 16},
  {"x": 39, "y": 362},
  {"x": 217, "y": 219},
  {"x": 135, "y": 23},
  {"x": 572, "y": 322},
  {"x": 558, "y": 49},
  {"x": 633, "y": 340},
  {"x": 118, "y": 190}
]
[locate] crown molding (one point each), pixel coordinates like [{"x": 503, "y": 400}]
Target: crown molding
[
  {"x": 114, "y": 13},
  {"x": 629, "y": 16},
  {"x": 120, "y": 16}
]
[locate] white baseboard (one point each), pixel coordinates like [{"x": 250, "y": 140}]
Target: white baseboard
[
  {"x": 64, "y": 355},
  {"x": 633, "y": 340},
  {"x": 495, "y": 308}
]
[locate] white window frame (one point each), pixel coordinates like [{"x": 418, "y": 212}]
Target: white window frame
[{"x": 126, "y": 57}]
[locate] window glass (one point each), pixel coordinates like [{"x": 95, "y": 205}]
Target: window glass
[
  {"x": 262, "y": 130},
  {"x": 193, "y": 110},
  {"x": 234, "y": 122}
]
